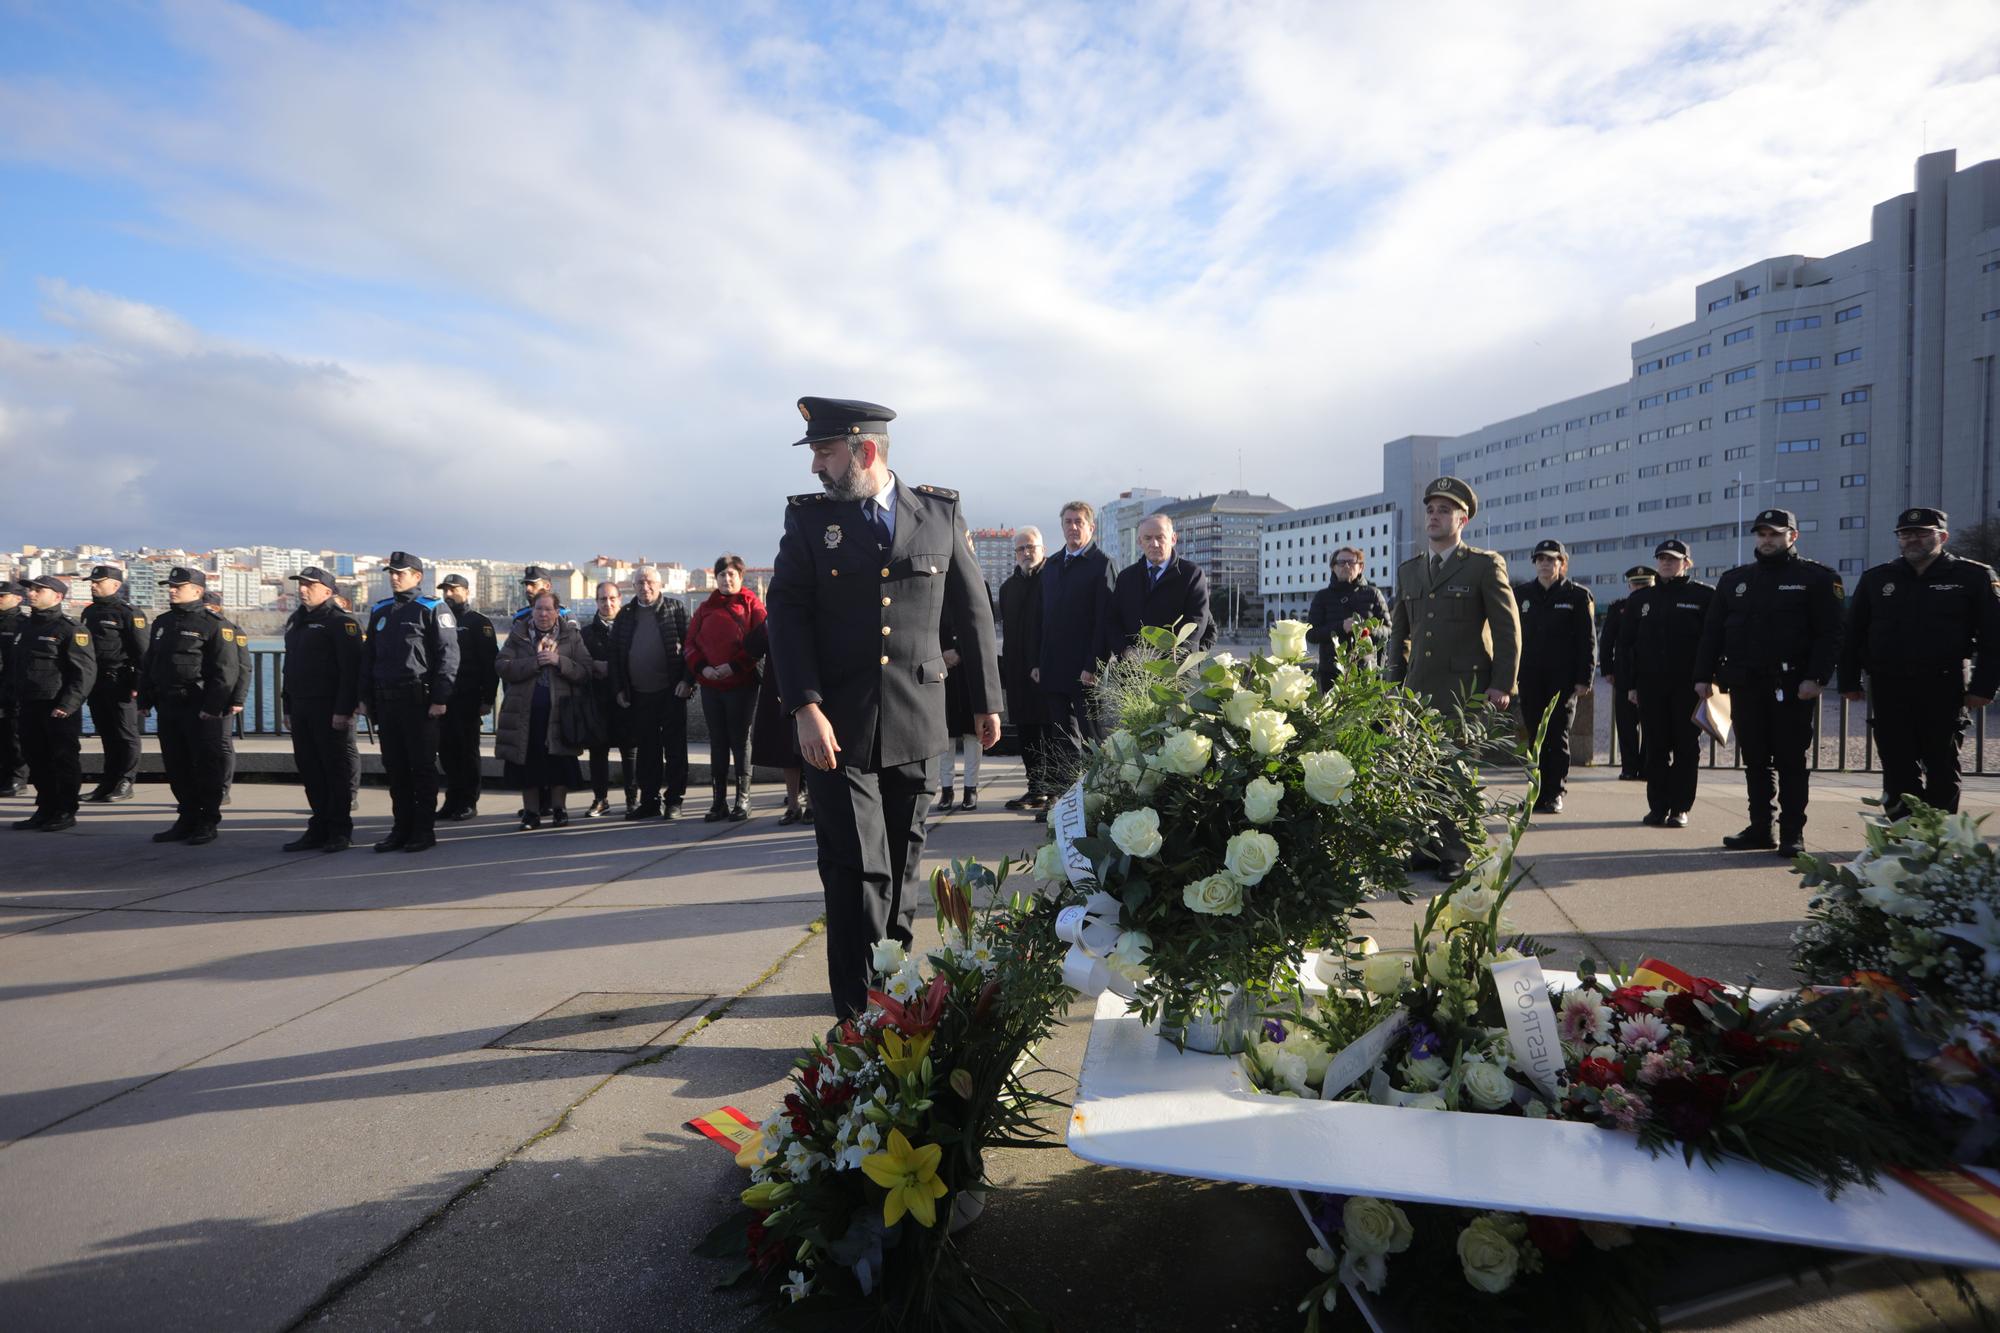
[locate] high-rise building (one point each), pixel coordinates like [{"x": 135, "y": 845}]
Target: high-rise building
[
  {"x": 1117, "y": 524},
  {"x": 993, "y": 548},
  {"x": 1221, "y": 534},
  {"x": 241, "y": 586},
  {"x": 1296, "y": 556}
]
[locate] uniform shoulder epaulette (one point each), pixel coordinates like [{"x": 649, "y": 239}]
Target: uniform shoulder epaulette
[
  {"x": 429, "y": 603},
  {"x": 386, "y": 601},
  {"x": 941, "y": 492},
  {"x": 810, "y": 497}
]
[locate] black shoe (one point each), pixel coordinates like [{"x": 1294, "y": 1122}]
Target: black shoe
[
  {"x": 1037, "y": 803},
  {"x": 943, "y": 802},
  {"x": 338, "y": 842},
  {"x": 421, "y": 842},
  {"x": 638, "y": 812},
  {"x": 463, "y": 813},
  {"x": 1678, "y": 819},
  {"x": 11, "y": 789},
  {"x": 1654, "y": 819},
  {"x": 203, "y": 833},
  {"x": 449, "y": 813},
  {"x": 806, "y": 815},
  {"x": 395, "y": 842},
  {"x": 597, "y": 809},
  {"x": 716, "y": 813},
  {"x": 100, "y": 796},
  {"x": 1018, "y": 803},
  {"x": 738, "y": 813},
  {"x": 1449, "y": 870},
  {"x": 1751, "y": 839},
  {"x": 57, "y": 823},
  {"x": 559, "y": 819},
  {"x": 790, "y": 816},
  {"x": 36, "y": 820},
  {"x": 178, "y": 832},
  {"x": 1552, "y": 806},
  {"x": 225, "y": 797},
  {"x": 971, "y": 801},
  {"x": 122, "y": 792},
  {"x": 1790, "y": 845},
  {"x": 529, "y": 822},
  {"x": 1418, "y": 860},
  {"x": 1631, "y": 777},
  {"x": 310, "y": 842}
]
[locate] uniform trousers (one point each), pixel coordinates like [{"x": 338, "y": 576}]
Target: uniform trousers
[
  {"x": 325, "y": 759},
  {"x": 191, "y": 752},
  {"x": 660, "y": 745},
  {"x": 1631, "y": 742},
  {"x": 458, "y": 753},
  {"x": 1918, "y": 723},
  {"x": 1773, "y": 735},
  {"x": 1673, "y": 744},
  {"x": 409, "y": 736},
  {"x": 53, "y": 747},
  {"x": 13, "y": 768},
  {"x": 1535, "y": 700},
  {"x": 869, "y": 824},
  {"x": 228, "y": 752},
  {"x": 115, "y": 718}
]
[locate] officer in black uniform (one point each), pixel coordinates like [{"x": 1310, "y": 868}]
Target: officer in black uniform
[
  {"x": 189, "y": 674},
  {"x": 1348, "y": 599},
  {"x": 1558, "y": 660},
  {"x": 472, "y": 693},
  {"x": 118, "y": 636},
  {"x": 53, "y": 668},
  {"x": 1657, "y": 645},
  {"x": 409, "y": 662},
  {"x": 1911, "y": 626},
  {"x": 865, "y": 570},
  {"x": 319, "y": 693},
  {"x": 1624, "y": 713},
  {"x": 534, "y": 582},
  {"x": 13, "y": 773},
  {"x": 211, "y": 602},
  {"x": 1772, "y": 640}
]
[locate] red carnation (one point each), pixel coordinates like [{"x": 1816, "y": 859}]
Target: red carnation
[
  {"x": 1629, "y": 1000},
  {"x": 1597, "y": 1073}
]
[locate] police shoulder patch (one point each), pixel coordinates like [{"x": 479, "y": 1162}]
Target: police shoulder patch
[
  {"x": 138, "y": 622},
  {"x": 353, "y": 628},
  {"x": 941, "y": 492},
  {"x": 82, "y": 640}
]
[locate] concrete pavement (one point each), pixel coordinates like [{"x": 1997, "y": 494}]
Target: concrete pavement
[{"x": 240, "y": 1089}]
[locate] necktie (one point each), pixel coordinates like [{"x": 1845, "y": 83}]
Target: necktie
[
  {"x": 1437, "y": 564},
  {"x": 1153, "y": 573},
  {"x": 879, "y": 521}
]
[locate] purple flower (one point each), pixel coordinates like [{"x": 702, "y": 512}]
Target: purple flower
[
  {"x": 1423, "y": 1041},
  {"x": 1274, "y": 1031}
]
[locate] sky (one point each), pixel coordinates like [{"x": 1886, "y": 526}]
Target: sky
[{"x": 545, "y": 281}]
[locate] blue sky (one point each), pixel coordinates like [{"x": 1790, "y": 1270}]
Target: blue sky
[{"x": 463, "y": 256}]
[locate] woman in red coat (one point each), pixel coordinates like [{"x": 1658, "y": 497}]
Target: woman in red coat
[{"x": 719, "y": 657}]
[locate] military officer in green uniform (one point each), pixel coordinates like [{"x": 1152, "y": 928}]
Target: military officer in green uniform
[
  {"x": 864, "y": 572},
  {"x": 1455, "y": 630}
]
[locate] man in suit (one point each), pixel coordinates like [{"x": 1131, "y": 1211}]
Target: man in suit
[
  {"x": 865, "y": 571},
  {"x": 1020, "y": 600},
  {"x": 1625, "y": 713},
  {"x": 1455, "y": 631},
  {"x": 1158, "y": 589},
  {"x": 1076, "y": 594}
]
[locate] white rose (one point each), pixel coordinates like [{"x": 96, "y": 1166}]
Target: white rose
[
  {"x": 1291, "y": 686},
  {"x": 1123, "y": 745},
  {"x": 1049, "y": 864},
  {"x": 1132, "y": 948},
  {"x": 1473, "y": 903},
  {"x": 1227, "y": 661},
  {"x": 1384, "y": 973},
  {"x": 1130, "y": 772},
  {"x": 1149, "y": 782},
  {"x": 1961, "y": 832},
  {"x": 1488, "y": 1257},
  {"x": 1289, "y": 1068},
  {"x": 1186, "y": 752},
  {"x": 1428, "y": 1101},
  {"x": 1487, "y": 1085},
  {"x": 1316, "y": 1056},
  {"x": 1250, "y": 855},
  {"x": 1261, "y": 798},
  {"x": 1288, "y": 640},
  {"x": 1240, "y": 705},
  {"x": 1364, "y": 1270},
  {"x": 1217, "y": 895},
  {"x": 887, "y": 957},
  {"x": 1137, "y": 832},
  {"x": 1426, "y": 1073},
  {"x": 1269, "y": 732},
  {"x": 1329, "y": 775},
  {"x": 1374, "y": 1226}
]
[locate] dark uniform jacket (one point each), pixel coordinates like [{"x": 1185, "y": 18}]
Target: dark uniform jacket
[
  {"x": 667, "y": 618},
  {"x": 1777, "y": 617},
  {"x": 1558, "y": 634},
  {"x": 53, "y": 661},
  {"x": 854, "y": 629},
  {"x": 118, "y": 636},
  {"x": 1076, "y": 591},
  {"x": 1607, "y": 638},
  {"x": 188, "y": 662},
  {"x": 1661, "y": 633},
  {"x": 239, "y": 688},
  {"x": 478, "y": 678},
  {"x": 1457, "y": 632},
  {"x": 1021, "y": 646},
  {"x": 11, "y": 622},
  {"x": 322, "y": 658},
  {"x": 1904, "y": 624},
  {"x": 1179, "y": 598},
  {"x": 412, "y": 641},
  {"x": 1331, "y": 606}
]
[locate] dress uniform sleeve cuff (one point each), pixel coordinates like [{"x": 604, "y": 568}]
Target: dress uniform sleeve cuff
[{"x": 812, "y": 697}]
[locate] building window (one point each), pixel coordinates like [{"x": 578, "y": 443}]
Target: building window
[
  {"x": 1748, "y": 292},
  {"x": 1808, "y": 525},
  {"x": 1851, "y": 354},
  {"x": 1708, "y": 386},
  {"x": 1739, "y": 413},
  {"x": 1850, "y": 397},
  {"x": 1795, "y": 487},
  {"x": 1850, "y": 566},
  {"x": 1731, "y": 455},
  {"x": 1681, "y": 429},
  {"x": 1798, "y": 446},
  {"x": 1648, "y": 506},
  {"x": 1651, "y": 400},
  {"x": 1679, "y": 501},
  {"x": 1851, "y": 521},
  {"x": 1680, "y": 465},
  {"x": 1624, "y": 411},
  {"x": 1701, "y": 350},
  {"x": 1652, "y": 471},
  {"x": 1600, "y": 513},
  {"x": 1797, "y": 363},
  {"x": 1646, "y": 367},
  {"x": 1740, "y": 336},
  {"x": 1990, "y": 266},
  {"x": 1842, "y": 316},
  {"x": 1719, "y": 302},
  {"x": 1685, "y": 391},
  {"x": 1855, "y": 437},
  {"x": 1648, "y": 436},
  {"x": 1991, "y": 314},
  {"x": 1799, "y": 405},
  {"x": 1596, "y": 417},
  {"x": 1678, "y": 357},
  {"x": 1853, "y": 479},
  {"x": 1741, "y": 373},
  {"x": 1801, "y": 322}
]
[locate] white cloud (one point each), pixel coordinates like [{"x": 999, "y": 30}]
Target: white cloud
[{"x": 1077, "y": 247}]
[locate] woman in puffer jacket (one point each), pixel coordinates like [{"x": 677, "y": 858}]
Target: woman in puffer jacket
[
  {"x": 543, "y": 662},
  {"x": 719, "y": 657}
]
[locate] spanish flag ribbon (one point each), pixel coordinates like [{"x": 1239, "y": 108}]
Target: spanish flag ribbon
[
  {"x": 1661, "y": 976},
  {"x": 728, "y": 1126},
  {"x": 1973, "y": 1197}
]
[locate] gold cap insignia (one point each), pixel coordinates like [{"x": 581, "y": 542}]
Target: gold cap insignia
[{"x": 804, "y": 412}]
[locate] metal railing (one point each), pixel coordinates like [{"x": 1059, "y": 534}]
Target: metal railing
[{"x": 1848, "y": 718}]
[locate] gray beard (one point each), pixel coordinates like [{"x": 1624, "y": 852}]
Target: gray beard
[{"x": 853, "y": 485}]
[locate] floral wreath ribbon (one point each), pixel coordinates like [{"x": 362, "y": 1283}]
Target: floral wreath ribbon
[{"x": 1091, "y": 932}]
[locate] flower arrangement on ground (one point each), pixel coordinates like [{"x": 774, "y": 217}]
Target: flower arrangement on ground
[
  {"x": 1920, "y": 905},
  {"x": 856, "y": 1178},
  {"x": 1238, "y": 814}
]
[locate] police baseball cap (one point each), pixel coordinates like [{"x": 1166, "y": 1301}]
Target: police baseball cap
[
  {"x": 1456, "y": 491},
  {"x": 106, "y": 572},
  {"x": 1922, "y": 518},
  {"x": 314, "y": 574},
  {"x": 1550, "y": 546},
  {"x": 1640, "y": 574},
  {"x": 404, "y": 560},
  {"x": 51, "y": 582},
  {"x": 212, "y": 598},
  {"x": 1671, "y": 546},
  {"x": 833, "y": 418},
  {"x": 1781, "y": 519},
  {"x": 9, "y": 588},
  {"x": 535, "y": 574},
  {"x": 454, "y": 581},
  {"x": 180, "y": 574}
]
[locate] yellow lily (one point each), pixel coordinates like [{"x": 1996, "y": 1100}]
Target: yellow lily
[
  {"x": 904, "y": 1055},
  {"x": 910, "y": 1176}
]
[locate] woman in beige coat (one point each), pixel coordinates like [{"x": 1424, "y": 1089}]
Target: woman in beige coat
[{"x": 543, "y": 662}]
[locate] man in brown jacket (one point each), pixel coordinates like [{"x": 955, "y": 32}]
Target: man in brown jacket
[{"x": 1455, "y": 631}]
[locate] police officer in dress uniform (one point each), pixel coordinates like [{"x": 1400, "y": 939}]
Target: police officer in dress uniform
[
  {"x": 864, "y": 572},
  {"x": 1558, "y": 660},
  {"x": 1772, "y": 640},
  {"x": 189, "y": 674},
  {"x": 118, "y": 636},
  {"x": 1624, "y": 713},
  {"x": 1657, "y": 644},
  {"x": 1455, "y": 631},
  {"x": 409, "y": 662},
  {"x": 12, "y": 616},
  {"x": 322, "y": 685},
  {"x": 54, "y": 667},
  {"x": 1911, "y": 626},
  {"x": 211, "y": 602},
  {"x": 472, "y": 694}
]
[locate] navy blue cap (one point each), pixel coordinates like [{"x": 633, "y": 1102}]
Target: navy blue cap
[
  {"x": 1671, "y": 546},
  {"x": 1640, "y": 574},
  {"x": 404, "y": 560},
  {"x": 9, "y": 588},
  {"x": 212, "y": 598},
  {"x": 183, "y": 574},
  {"x": 535, "y": 574},
  {"x": 313, "y": 574},
  {"x": 454, "y": 581},
  {"x": 106, "y": 572},
  {"x": 833, "y": 418},
  {"x": 1550, "y": 546},
  {"x": 51, "y": 582},
  {"x": 1922, "y": 518},
  {"x": 1782, "y": 519}
]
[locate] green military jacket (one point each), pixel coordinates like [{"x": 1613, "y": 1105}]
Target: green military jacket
[{"x": 1458, "y": 632}]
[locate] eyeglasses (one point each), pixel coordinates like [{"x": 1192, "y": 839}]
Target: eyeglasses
[
  {"x": 1345, "y": 561},
  {"x": 1030, "y": 547}
]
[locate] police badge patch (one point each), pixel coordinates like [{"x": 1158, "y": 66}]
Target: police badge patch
[
  {"x": 1646, "y": 610},
  {"x": 83, "y": 639},
  {"x": 353, "y": 628},
  {"x": 381, "y": 623},
  {"x": 1742, "y": 588},
  {"x": 1888, "y": 589},
  {"x": 833, "y": 537}
]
